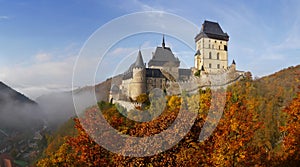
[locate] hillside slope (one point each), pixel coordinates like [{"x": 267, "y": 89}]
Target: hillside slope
[
  {"x": 17, "y": 111},
  {"x": 248, "y": 129},
  {"x": 272, "y": 94}
]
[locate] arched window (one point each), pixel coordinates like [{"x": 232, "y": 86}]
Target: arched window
[
  {"x": 209, "y": 55},
  {"x": 218, "y": 56}
]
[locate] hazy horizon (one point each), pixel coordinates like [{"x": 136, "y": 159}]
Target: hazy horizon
[{"x": 41, "y": 40}]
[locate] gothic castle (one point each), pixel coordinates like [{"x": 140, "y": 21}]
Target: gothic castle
[{"x": 211, "y": 57}]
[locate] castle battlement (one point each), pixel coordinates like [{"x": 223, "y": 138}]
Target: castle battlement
[{"x": 210, "y": 68}]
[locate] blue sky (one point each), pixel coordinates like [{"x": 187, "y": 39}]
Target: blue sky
[{"x": 40, "y": 40}]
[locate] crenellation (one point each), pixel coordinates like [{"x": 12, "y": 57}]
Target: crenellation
[{"x": 163, "y": 72}]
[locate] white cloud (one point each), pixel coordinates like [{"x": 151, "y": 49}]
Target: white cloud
[
  {"x": 42, "y": 57},
  {"x": 122, "y": 51},
  {"x": 292, "y": 40},
  {"x": 138, "y": 6},
  {"x": 40, "y": 76},
  {"x": 44, "y": 73},
  {"x": 4, "y": 17}
]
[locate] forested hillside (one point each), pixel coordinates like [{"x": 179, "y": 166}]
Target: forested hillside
[{"x": 259, "y": 127}]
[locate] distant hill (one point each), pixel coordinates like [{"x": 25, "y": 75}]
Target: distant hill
[
  {"x": 17, "y": 112},
  {"x": 282, "y": 84},
  {"x": 58, "y": 107},
  {"x": 272, "y": 94},
  {"x": 7, "y": 93}
]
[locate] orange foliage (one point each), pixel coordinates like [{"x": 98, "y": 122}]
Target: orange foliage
[
  {"x": 231, "y": 143},
  {"x": 291, "y": 141}
]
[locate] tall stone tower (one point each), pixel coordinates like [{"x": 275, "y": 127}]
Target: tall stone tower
[
  {"x": 211, "y": 48},
  {"x": 138, "y": 83}
]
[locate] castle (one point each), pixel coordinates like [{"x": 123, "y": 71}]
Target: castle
[{"x": 211, "y": 57}]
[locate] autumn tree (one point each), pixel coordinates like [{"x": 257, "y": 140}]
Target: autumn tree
[
  {"x": 230, "y": 144},
  {"x": 291, "y": 141}
]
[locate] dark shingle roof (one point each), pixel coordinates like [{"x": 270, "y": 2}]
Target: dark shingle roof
[
  {"x": 127, "y": 75},
  {"x": 197, "y": 53},
  {"x": 139, "y": 61},
  {"x": 150, "y": 72},
  {"x": 154, "y": 73},
  {"x": 212, "y": 30},
  {"x": 163, "y": 56},
  {"x": 185, "y": 72}
]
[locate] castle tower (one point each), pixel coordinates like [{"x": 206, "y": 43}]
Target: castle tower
[
  {"x": 138, "y": 83},
  {"x": 198, "y": 60},
  {"x": 164, "y": 59},
  {"x": 212, "y": 44}
]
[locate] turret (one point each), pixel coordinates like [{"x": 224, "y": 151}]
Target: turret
[
  {"x": 138, "y": 83},
  {"x": 233, "y": 65},
  {"x": 233, "y": 62},
  {"x": 197, "y": 60}
]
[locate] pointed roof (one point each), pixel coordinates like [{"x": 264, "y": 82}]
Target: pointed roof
[
  {"x": 212, "y": 30},
  {"x": 163, "y": 56},
  {"x": 202, "y": 68},
  {"x": 139, "y": 61},
  {"x": 163, "y": 42},
  {"x": 233, "y": 62},
  {"x": 197, "y": 53}
]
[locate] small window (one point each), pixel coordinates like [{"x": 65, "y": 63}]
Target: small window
[
  {"x": 218, "y": 56},
  {"x": 218, "y": 66},
  {"x": 215, "y": 41},
  {"x": 225, "y": 47},
  {"x": 209, "y": 55},
  {"x": 219, "y": 47},
  {"x": 208, "y": 45},
  {"x": 209, "y": 65},
  {"x": 213, "y": 46},
  {"x": 220, "y": 42}
]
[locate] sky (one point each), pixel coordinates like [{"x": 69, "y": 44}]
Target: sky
[{"x": 41, "y": 40}]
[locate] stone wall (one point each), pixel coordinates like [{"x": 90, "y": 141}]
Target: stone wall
[{"x": 221, "y": 79}]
